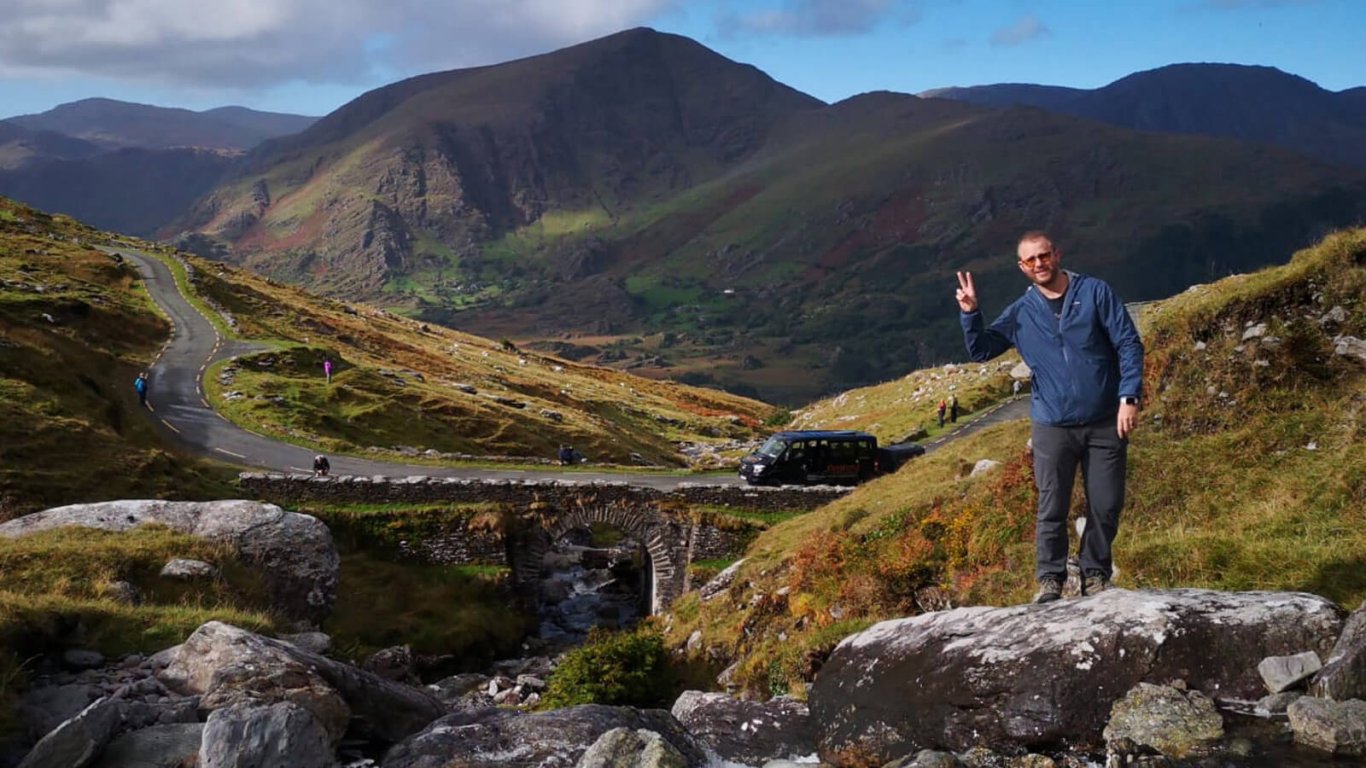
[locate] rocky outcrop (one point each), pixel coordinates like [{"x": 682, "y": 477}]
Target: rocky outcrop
[
  {"x": 1344, "y": 674},
  {"x": 1173, "y": 722},
  {"x": 554, "y": 739},
  {"x": 229, "y": 665},
  {"x": 747, "y": 732},
  {"x": 294, "y": 552},
  {"x": 1047, "y": 675},
  {"x": 1338, "y": 727}
]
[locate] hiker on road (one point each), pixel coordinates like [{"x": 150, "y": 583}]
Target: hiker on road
[
  {"x": 1087, "y": 363},
  {"x": 140, "y": 384}
]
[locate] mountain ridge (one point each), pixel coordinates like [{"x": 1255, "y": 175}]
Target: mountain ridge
[
  {"x": 118, "y": 124},
  {"x": 1245, "y": 102}
]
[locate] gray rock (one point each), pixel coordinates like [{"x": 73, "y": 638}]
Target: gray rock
[
  {"x": 281, "y": 735},
  {"x": 78, "y": 741},
  {"x": 123, "y": 592},
  {"x": 260, "y": 684},
  {"x": 1276, "y": 703},
  {"x": 185, "y": 569},
  {"x": 457, "y": 687},
  {"x": 624, "y": 748},
  {"x": 747, "y": 732},
  {"x": 294, "y": 552},
  {"x": 721, "y": 581},
  {"x": 983, "y": 466},
  {"x": 1344, "y": 672},
  {"x": 379, "y": 708},
  {"x": 42, "y": 709},
  {"x": 313, "y": 642},
  {"x": 1338, "y": 727},
  {"x": 1281, "y": 673},
  {"x": 1176, "y": 723},
  {"x": 79, "y": 658},
  {"x": 1013, "y": 678},
  {"x": 1350, "y": 346},
  {"x": 158, "y": 746},
  {"x": 552, "y": 739}
]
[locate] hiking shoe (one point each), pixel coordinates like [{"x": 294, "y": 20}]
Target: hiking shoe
[
  {"x": 1094, "y": 584},
  {"x": 1050, "y": 589}
]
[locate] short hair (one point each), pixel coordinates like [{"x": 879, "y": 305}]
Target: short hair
[{"x": 1032, "y": 235}]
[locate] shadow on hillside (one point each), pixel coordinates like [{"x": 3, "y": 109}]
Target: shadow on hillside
[{"x": 1343, "y": 581}]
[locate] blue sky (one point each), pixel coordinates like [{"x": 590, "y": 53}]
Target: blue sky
[{"x": 311, "y": 56}]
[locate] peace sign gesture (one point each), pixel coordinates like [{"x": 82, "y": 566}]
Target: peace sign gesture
[{"x": 967, "y": 292}]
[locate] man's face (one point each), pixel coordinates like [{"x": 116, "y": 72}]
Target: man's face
[{"x": 1040, "y": 261}]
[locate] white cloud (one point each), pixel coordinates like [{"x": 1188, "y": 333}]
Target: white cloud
[
  {"x": 814, "y": 18},
  {"x": 252, "y": 43},
  {"x": 1026, "y": 28}
]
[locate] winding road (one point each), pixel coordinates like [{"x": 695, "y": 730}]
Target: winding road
[{"x": 176, "y": 401}]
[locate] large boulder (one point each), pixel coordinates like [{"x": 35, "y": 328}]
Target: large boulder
[
  {"x": 280, "y": 735},
  {"x": 1344, "y": 674},
  {"x": 233, "y": 666},
  {"x": 78, "y": 741},
  {"x": 294, "y": 552},
  {"x": 1338, "y": 727},
  {"x": 1045, "y": 675},
  {"x": 553, "y": 739},
  {"x": 747, "y": 732}
]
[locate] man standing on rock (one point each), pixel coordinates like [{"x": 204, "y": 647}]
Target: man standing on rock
[{"x": 1087, "y": 364}]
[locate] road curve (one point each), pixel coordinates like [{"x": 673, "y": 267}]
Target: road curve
[{"x": 182, "y": 413}]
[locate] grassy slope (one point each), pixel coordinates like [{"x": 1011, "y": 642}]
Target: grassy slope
[
  {"x": 70, "y": 428},
  {"x": 395, "y": 385},
  {"x": 1245, "y": 475}
]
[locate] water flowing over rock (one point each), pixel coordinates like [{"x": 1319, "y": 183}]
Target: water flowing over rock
[
  {"x": 1047, "y": 675},
  {"x": 294, "y": 552},
  {"x": 554, "y": 739}
]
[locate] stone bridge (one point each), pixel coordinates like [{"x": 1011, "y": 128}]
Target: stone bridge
[{"x": 666, "y": 523}]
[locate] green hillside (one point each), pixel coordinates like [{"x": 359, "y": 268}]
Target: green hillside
[
  {"x": 75, "y": 328},
  {"x": 1248, "y": 473}
]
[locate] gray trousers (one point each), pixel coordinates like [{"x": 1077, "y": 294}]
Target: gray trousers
[{"x": 1100, "y": 451}]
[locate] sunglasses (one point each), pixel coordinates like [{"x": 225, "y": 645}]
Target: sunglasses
[{"x": 1030, "y": 261}]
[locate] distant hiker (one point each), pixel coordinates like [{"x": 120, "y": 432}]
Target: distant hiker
[
  {"x": 327, "y": 370},
  {"x": 140, "y": 384},
  {"x": 1015, "y": 388},
  {"x": 566, "y": 455},
  {"x": 953, "y": 409},
  {"x": 321, "y": 466},
  {"x": 1086, "y": 356},
  {"x": 942, "y": 405}
]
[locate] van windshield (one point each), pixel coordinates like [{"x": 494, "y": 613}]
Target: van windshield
[{"x": 772, "y": 448}]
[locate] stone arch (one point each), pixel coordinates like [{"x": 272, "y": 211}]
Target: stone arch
[{"x": 665, "y": 542}]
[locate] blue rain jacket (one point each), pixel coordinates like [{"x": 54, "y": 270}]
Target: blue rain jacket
[{"x": 1081, "y": 363}]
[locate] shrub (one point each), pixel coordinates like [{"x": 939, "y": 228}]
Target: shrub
[{"x": 619, "y": 668}]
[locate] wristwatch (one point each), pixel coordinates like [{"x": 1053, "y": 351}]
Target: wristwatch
[{"x": 1128, "y": 400}]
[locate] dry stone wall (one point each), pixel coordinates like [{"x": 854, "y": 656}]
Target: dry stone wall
[{"x": 291, "y": 489}]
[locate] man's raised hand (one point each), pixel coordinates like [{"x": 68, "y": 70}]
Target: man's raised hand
[{"x": 967, "y": 292}]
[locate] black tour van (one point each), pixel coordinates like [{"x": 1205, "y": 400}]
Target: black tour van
[{"x": 835, "y": 457}]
